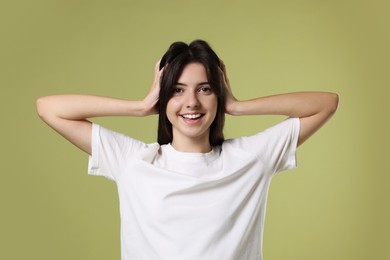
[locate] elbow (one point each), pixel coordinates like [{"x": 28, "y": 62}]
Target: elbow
[
  {"x": 41, "y": 105},
  {"x": 330, "y": 104},
  {"x": 333, "y": 102}
]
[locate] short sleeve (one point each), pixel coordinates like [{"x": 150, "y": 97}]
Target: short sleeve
[
  {"x": 110, "y": 152},
  {"x": 276, "y": 146}
]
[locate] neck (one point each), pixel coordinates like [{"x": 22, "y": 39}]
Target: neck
[{"x": 191, "y": 146}]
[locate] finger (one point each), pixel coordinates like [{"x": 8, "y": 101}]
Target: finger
[
  {"x": 222, "y": 65},
  {"x": 221, "y": 74},
  {"x": 224, "y": 76},
  {"x": 160, "y": 72},
  {"x": 157, "y": 66}
]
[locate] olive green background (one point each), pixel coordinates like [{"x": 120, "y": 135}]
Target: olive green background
[{"x": 334, "y": 206}]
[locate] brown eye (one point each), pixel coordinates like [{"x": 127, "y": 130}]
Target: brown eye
[
  {"x": 176, "y": 90},
  {"x": 205, "y": 90}
]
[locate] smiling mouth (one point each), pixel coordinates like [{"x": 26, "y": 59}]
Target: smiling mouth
[{"x": 192, "y": 116}]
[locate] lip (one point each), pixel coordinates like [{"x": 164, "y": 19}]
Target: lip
[
  {"x": 191, "y": 118},
  {"x": 192, "y": 115}
]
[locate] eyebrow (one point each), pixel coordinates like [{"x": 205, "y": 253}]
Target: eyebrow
[{"x": 199, "y": 84}]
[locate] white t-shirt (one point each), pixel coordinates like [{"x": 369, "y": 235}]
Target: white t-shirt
[{"x": 193, "y": 206}]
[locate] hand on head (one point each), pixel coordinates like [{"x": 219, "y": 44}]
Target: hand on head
[
  {"x": 230, "y": 99},
  {"x": 151, "y": 99}
]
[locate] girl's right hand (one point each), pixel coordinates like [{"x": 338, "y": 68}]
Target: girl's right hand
[
  {"x": 151, "y": 99},
  {"x": 230, "y": 99}
]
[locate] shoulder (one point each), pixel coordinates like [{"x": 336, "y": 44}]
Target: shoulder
[
  {"x": 270, "y": 138},
  {"x": 274, "y": 147},
  {"x": 285, "y": 127},
  {"x": 113, "y": 140},
  {"x": 104, "y": 132}
]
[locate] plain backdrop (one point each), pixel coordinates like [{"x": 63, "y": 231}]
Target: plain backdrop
[{"x": 335, "y": 205}]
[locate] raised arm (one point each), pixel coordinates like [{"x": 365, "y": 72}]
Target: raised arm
[
  {"x": 68, "y": 114},
  {"x": 313, "y": 108}
]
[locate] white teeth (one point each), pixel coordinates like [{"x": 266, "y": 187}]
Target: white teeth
[{"x": 191, "y": 116}]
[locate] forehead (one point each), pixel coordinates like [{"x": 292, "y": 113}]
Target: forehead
[{"x": 193, "y": 72}]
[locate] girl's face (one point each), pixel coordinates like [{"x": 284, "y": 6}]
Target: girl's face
[{"x": 192, "y": 109}]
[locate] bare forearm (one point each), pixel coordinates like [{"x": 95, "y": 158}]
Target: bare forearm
[
  {"x": 78, "y": 107},
  {"x": 300, "y": 104}
]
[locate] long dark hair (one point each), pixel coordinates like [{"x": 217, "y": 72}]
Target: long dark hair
[{"x": 176, "y": 58}]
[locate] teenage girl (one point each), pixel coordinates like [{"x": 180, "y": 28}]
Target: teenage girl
[{"x": 192, "y": 195}]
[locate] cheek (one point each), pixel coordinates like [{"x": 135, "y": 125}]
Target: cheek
[
  {"x": 172, "y": 106},
  {"x": 212, "y": 107},
  {"x": 213, "y": 104},
  {"x": 171, "y": 110}
]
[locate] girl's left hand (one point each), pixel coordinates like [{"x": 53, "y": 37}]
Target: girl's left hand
[{"x": 230, "y": 99}]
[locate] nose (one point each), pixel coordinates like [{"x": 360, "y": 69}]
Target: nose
[{"x": 192, "y": 100}]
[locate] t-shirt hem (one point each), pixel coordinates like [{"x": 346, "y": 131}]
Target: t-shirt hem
[
  {"x": 292, "y": 161},
  {"x": 93, "y": 159},
  {"x": 292, "y": 156},
  {"x": 93, "y": 165}
]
